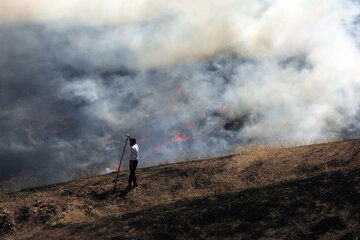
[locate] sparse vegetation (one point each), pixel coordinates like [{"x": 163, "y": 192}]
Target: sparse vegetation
[
  {"x": 17, "y": 184},
  {"x": 89, "y": 172},
  {"x": 253, "y": 150},
  {"x": 265, "y": 191}
]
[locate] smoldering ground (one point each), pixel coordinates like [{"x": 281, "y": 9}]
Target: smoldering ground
[{"x": 180, "y": 77}]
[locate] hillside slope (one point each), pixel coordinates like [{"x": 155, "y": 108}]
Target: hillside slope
[{"x": 309, "y": 192}]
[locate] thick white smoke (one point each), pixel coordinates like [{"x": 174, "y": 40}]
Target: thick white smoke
[{"x": 201, "y": 75}]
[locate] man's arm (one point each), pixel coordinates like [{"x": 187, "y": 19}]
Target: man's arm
[{"x": 128, "y": 135}]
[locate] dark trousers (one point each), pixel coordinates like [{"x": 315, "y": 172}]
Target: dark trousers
[{"x": 132, "y": 166}]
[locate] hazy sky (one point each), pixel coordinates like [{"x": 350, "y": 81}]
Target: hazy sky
[{"x": 183, "y": 77}]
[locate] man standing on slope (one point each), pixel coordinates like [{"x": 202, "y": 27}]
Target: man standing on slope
[{"x": 134, "y": 157}]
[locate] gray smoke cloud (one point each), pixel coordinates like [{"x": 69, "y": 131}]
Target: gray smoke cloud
[{"x": 181, "y": 77}]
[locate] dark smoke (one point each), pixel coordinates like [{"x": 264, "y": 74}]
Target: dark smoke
[
  {"x": 55, "y": 97},
  {"x": 69, "y": 92}
]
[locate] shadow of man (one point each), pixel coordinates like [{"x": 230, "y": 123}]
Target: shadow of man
[{"x": 123, "y": 193}]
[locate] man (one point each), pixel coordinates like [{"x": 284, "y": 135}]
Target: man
[{"x": 134, "y": 157}]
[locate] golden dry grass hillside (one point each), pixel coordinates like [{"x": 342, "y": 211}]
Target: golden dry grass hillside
[{"x": 307, "y": 192}]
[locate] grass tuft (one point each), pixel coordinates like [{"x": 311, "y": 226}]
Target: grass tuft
[{"x": 87, "y": 173}]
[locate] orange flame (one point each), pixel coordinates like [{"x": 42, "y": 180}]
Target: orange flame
[
  {"x": 116, "y": 166},
  {"x": 180, "y": 138},
  {"x": 179, "y": 90},
  {"x": 177, "y": 136}
]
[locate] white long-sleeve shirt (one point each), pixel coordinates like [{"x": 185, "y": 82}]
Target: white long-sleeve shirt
[{"x": 134, "y": 152}]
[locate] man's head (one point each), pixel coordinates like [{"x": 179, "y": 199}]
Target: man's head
[{"x": 132, "y": 141}]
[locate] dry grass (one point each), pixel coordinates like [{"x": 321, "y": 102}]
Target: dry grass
[
  {"x": 253, "y": 151},
  {"x": 17, "y": 184},
  {"x": 87, "y": 173},
  {"x": 75, "y": 215},
  {"x": 255, "y": 166},
  {"x": 2, "y": 188}
]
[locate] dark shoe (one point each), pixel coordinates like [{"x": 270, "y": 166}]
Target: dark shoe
[{"x": 135, "y": 185}]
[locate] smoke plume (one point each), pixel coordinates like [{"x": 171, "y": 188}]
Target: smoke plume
[{"x": 182, "y": 77}]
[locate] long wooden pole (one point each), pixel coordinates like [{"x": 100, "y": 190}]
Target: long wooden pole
[{"x": 122, "y": 155}]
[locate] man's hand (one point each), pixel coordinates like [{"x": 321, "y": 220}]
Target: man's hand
[{"x": 127, "y": 135}]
